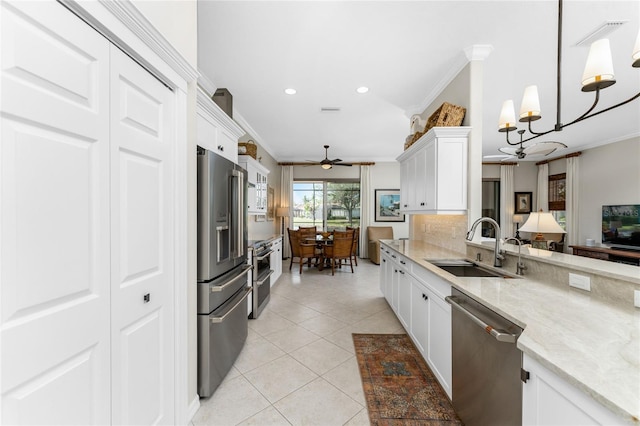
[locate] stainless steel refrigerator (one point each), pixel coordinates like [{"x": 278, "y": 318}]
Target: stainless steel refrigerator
[{"x": 223, "y": 286}]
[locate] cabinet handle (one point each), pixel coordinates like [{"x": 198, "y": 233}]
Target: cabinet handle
[
  {"x": 425, "y": 297},
  {"x": 422, "y": 204},
  {"x": 403, "y": 262},
  {"x": 146, "y": 297},
  {"x": 220, "y": 148},
  {"x": 393, "y": 255},
  {"x": 402, "y": 272},
  {"x": 384, "y": 260},
  {"x": 405, "y": 205}
]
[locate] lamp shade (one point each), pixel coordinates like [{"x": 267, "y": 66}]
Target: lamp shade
[
  {"x": 598, "y": 72},
  {"x": 507, "y": 121},
  {"x": 636, "y": 52},
  {"x": 530, "y": 107},
  {"x": 282, "y": 211},
  {"x": 542, "y": 223},
  {"x": 518, "y": 218}
]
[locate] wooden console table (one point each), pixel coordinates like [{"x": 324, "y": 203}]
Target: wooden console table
[{"x": 613, "y": 255}]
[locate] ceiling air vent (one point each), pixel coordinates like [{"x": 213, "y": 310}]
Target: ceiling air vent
[
  {"x": 601, "y": 32},
  {"x": 330, "y": 109}
]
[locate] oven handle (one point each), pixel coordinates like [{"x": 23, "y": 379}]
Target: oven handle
[
  {"x": 265, "y": 278},
  {"x": 218, "y": 320},
  {"x": 499, "y": 335},
  {"x": 264, "y": 255},
  {"x": 219, "y": 288}
]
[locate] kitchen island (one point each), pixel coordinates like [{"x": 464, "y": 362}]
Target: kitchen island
[{"x": 589, "y": 340}]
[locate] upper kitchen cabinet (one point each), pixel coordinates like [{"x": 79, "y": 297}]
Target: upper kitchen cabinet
[
  {"x": 433, "y": 177},
  {"x": 257, "y": 178},
  {"x": 216, "y": 131}
]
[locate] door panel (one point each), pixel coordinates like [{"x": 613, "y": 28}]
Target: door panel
[
  {"x": 54, "y": 222},
  {"x": 142, "y": 245}
]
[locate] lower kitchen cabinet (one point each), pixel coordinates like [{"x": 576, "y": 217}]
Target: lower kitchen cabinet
[
  {"x": 275, "y": 260},
  {"x": 417, "y": 297},
  {"x": 549, "y": 400}
]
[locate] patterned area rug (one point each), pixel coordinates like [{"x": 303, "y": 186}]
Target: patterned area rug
[{"x": 399, "y": 387}]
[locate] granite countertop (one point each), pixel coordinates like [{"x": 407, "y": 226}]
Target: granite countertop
[{"x": 590, "y": 343}]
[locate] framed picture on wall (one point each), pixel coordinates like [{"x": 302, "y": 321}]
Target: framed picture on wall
[
  {"x": 387, "y": 206},
  {"x": 523, "y": 202}
]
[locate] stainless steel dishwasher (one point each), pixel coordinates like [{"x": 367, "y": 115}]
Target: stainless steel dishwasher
[{"x": 486, "y": 365}]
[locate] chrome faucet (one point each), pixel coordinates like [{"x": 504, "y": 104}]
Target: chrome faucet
[
  {"x": 520, "y": 267},
  {"x": 497, "y": 256}
]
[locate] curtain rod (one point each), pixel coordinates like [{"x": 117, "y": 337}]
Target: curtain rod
[{"x": 573, "y": 154}]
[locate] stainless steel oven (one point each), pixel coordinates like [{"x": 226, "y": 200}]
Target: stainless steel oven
[{"x": 262, "y": 271}]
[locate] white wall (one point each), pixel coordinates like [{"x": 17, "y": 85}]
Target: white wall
[
  {"x": 386, "y": 176},
  {"x": 609, "y": 174}
]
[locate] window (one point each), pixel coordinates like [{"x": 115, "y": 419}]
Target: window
[
  {"x": 557, "y": 191},
  {"x": 326, "y": 204},
  {"x": 557, "y": 195}
]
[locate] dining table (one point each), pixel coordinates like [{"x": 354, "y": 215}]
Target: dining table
[{"x": 320, "y": 240}]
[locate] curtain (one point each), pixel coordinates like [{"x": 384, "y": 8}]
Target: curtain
[
  {"x": 572, "y": 201},
  {"x": 365, "y": 209},
  {"x": 542, "y": 199},
  {"x": 507, "y": 207},
  {"x": 286, "y": 187}
]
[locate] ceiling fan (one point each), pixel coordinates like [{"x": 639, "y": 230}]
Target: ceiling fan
[
  {"x": 539, "y": 149},
  {"x": 326, "y": 163}
]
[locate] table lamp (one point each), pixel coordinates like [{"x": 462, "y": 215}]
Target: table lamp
[
  {"x": 541, "y": 223},
  {"x": 518, "y": 219}
]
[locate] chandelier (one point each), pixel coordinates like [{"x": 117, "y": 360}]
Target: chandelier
[{"x": 598, "y": 74}]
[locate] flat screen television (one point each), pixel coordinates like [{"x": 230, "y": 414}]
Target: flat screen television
[{"x": 621, "y": 226}]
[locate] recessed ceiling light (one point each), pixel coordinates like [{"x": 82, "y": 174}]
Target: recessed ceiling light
[
  {"x": 290, "y": 91},
  {"x": 362, "y": 89}
]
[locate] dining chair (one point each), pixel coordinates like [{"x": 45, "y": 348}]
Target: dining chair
[
  {"x": 300, "y": 249},
  {"x": 356, "y": 242},
  {"x": 337, "y": 251}
]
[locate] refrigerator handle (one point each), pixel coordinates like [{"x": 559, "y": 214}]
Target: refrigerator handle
[{"x": 238, "y": 188}]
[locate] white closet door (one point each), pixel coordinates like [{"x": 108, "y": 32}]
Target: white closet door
[
  {"x": 54, "y": 218},
  {"x": 142, "y": 245}
]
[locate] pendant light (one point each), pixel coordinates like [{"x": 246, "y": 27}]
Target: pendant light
[{"x": 598, "y": 74}]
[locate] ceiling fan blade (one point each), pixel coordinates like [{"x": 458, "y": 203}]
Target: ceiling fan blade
[
  {"x": 343, "y": 164},
  {"x": 508, "y": 150},
  {"x": 543, "y": 148}
]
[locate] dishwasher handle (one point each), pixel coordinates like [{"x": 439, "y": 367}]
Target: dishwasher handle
[{"x": 499, "y": 335}]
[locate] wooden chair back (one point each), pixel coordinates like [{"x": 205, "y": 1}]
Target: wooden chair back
[{"x": 340, "y": 249}]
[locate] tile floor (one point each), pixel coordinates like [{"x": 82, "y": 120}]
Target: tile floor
[{"x": 298, "y": 366}]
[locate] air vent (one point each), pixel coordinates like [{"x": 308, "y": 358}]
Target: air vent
[
  {"x": 601, "y": 32},
  {"x": 330, "y": 109}
]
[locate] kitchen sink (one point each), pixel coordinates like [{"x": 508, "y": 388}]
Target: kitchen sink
[{"x": 465, "y": 268}]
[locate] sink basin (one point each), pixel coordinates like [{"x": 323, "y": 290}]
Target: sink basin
[{"x": 464, "y": 268}]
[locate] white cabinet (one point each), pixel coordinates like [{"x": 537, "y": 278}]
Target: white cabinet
[
  {"x": 417, "y": 295},
  {"x": 257, "y": 178},
  {"x": 433, "y": 172},
  {"x": 215, "y": 130},
  {"x": 275, "y": 260},
  {"x": 549, "y": 400}
]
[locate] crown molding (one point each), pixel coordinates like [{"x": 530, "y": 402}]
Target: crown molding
[
  {"x": 206, "y": 84},
  {"x": 127, "y": 15},
  {"x": 206, "y": 103},
  {"x": 476, "y": 52}
]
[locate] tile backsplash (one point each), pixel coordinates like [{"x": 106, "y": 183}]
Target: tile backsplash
[{"x": 446, "y": 231}]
